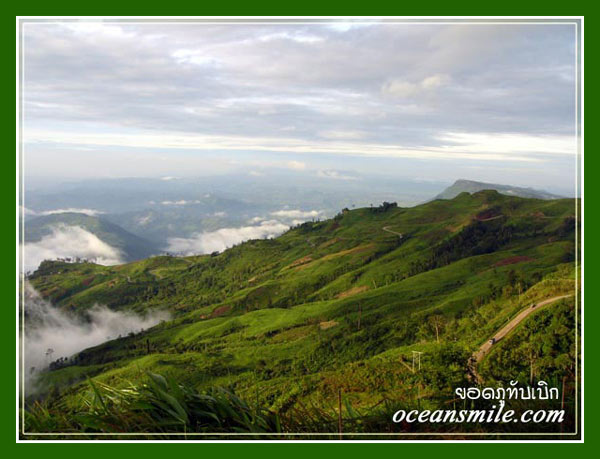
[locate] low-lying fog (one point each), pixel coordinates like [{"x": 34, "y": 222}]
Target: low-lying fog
[
  {"x": 69, "y": 242},
  {"x": 50, "y": 334}
]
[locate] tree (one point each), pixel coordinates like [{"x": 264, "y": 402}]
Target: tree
[{"x": 437, "y": 322}]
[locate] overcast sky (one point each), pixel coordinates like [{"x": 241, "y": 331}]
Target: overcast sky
[{"x": 490, "y": 102}]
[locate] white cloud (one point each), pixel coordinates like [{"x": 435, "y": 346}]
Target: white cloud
[
  {"x": 335, "y": 175},
  {"x": 199, "y": 142},
  {"x": 348, "y": 135},
  {"x": 144, "y": 220},
  {"x": 181, "y": 202},
  {"x": 297, "y": 37},
  {"x": 509, "y": 143},
  {"x": 96, "y": 29},
  {"x": 435, "y": 81},
  {"x": 402, "y": 88},
  {"x": 296, "y": 213},
  {"x": 296, "y": 165},
  {"x": 77, "y": 210},
  {"x": 345, "y": 26},
  {"x": 69, "y": 242},
  {"x": 153, "y": 86},
  {"x": 195, "y": 57},
  {"x": 27, "y": 211},
  {"x": 50, "y": 328},
  {"x": 223, "y": 238}
]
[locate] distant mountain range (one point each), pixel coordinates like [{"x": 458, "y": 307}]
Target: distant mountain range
[
  {"x": 158, "y": 209},
  {"x": 131, "y": 246},
  {"x": 470, "y": 186}
]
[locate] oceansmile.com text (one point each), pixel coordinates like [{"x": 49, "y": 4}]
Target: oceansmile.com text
[{"x": 492, "y": 415}]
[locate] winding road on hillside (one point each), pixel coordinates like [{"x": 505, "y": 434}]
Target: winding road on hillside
[
  {"x": 387, "y": 228},
  {"x": 485, "y": 348}
]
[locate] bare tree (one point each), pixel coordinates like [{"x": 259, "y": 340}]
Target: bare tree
[{"x": 437, "y": 322}]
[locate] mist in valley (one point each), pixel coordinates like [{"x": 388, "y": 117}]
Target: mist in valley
[
  {"x": 50, "y": 334},
  {"x": 69, "y": 242}
]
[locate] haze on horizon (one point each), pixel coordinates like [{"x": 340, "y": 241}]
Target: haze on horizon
[{"x": 494, "y": 103}]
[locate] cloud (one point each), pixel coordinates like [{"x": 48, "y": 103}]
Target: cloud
[
  {"x": 366, "y": 89},
  {"x": 49, "y": 328},
  {"x": 195, "y": 57},
  {"x": 77, "y": 210},
  {"x": 339, "y": 148},
  {"x": 297, "y": 37},
  {"x": 181, "y": 202},
  {"x": 336, "y": 175},
  {"x": 157, "y": 85},
  {"x": 346, "y": 25},
  {"x": 296, "y": 165},
  {"x": 144, "y": 219},
  {"x": 434, "y": 81},
  {"x": 296, "y": 213},
  {"x": 401, "y": 88},
  {"x": 223, "y": 238},
  {"x": 27, "y": 211},
  {"x": 69, "y": 242},
  {"x": 347, "y": 135},
  {"x": 508, "y": 143}
]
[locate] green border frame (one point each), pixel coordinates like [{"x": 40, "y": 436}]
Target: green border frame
[{"x": 8, "y": 187}]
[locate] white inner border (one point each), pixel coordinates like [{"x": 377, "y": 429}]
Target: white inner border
[{"x": 235, "y": 20}]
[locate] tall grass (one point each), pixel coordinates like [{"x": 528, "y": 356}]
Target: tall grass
[{"x": 160, "y": 405}]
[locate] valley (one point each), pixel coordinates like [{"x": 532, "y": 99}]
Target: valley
[{"x": 335, "y": 308}]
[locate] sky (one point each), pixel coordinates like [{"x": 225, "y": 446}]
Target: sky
[{"x": 434, "y": 101}]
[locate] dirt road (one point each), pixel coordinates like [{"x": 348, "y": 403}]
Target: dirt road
[
  {"x": 387, "y": 228},
  {"x": 485, "y": 348}
]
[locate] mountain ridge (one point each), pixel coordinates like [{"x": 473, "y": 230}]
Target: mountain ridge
[{"x": 472, "y": 186}]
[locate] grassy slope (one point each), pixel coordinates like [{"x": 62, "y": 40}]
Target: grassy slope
[{"x": 279, "y": 319}]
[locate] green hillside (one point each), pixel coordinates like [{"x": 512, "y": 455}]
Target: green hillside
[
  {"x": 131, "y": 246},
  {"x": 328, "y": 313}
]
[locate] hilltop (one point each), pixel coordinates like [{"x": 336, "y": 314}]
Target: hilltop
[{"x": 470, "y": 186}]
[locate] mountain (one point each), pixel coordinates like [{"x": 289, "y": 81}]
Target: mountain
[
  {"x": 160, "y": 209},
  {"x": 330, "y": 312},
  {"x": 470, "y": 186},
  {"x": 271, "y": 190},
  {"x": 131, "y": 246},
  {"x": 168, "y": 219}
]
